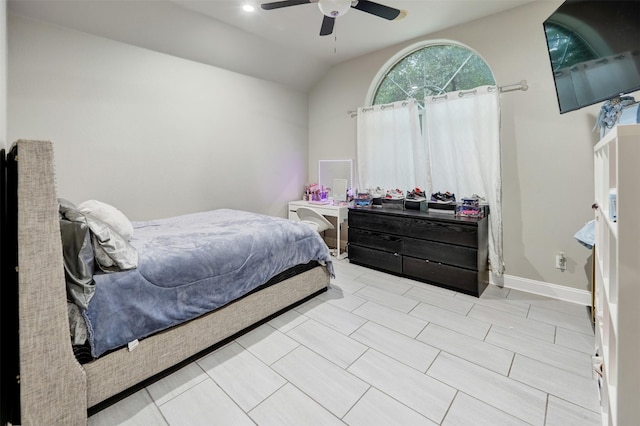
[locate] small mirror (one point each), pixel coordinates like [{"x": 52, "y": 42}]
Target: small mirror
[
  {"x": 331, "y": 170},
  {"x": 339, "y": 189}
]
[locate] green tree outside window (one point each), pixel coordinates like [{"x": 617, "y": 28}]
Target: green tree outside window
[{"x": 432, "y": 71}]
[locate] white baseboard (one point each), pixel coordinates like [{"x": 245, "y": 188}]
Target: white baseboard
[{"x": 555, "y": 291}]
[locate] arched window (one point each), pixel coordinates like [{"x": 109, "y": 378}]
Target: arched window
[{"x": 431, "y": 70}]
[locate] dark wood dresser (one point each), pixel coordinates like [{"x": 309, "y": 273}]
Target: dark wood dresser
[{"x": 437, "y": 248}]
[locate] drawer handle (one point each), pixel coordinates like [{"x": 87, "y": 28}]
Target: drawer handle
[{"x": 396, "y": 254}]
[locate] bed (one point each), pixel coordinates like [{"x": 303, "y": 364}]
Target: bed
[{"x": 53, "y": 387}]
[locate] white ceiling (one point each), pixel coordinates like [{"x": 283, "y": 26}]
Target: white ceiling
[{"x": 281, "y": 45}]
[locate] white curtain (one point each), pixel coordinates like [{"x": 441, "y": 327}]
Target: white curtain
[
  {"x": 462, "y": 133},
  {"x": 390, "y": 148}
]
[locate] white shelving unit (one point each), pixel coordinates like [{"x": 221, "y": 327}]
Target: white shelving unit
[{"x": 617, "y": 274}]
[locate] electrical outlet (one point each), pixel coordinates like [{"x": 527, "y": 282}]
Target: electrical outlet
[{"x": 561, "y": 261}]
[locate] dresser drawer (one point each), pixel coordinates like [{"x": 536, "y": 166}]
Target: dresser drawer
[
  {"x": 465, "y": 257},
  {"x": 376, "y": 222},
  {"x": 458, "y": 279},
  {"x": 377, "y": 259},
  {"x": 446, "y": 232},
  {"x": 375, "y": 240}
]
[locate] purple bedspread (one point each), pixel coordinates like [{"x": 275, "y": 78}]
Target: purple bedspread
[{"x": 190, "y": 265}]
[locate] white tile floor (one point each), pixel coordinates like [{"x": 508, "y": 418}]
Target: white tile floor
[{"x": 382, "y": 350}]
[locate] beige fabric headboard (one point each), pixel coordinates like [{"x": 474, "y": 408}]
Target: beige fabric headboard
[{"x": 52, "y": 383}]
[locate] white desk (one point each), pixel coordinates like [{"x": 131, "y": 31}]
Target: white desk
[{"x": 339, "y": 212}]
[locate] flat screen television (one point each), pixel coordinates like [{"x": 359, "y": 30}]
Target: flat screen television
[{"x": 594, "y": 49}]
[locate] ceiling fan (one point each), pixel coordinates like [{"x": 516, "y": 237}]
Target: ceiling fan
[{"x": 331, "y": 9}]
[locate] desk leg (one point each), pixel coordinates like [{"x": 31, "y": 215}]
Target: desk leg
[{"x": 338, "y": 233}]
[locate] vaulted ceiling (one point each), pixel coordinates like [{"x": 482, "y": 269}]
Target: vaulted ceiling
[{"x": 281, "y": 45}]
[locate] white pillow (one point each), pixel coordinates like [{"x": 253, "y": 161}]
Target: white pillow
[{"x": 110, "y": 215}]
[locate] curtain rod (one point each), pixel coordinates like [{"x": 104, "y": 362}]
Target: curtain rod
[{"x": 522, "y": 85}]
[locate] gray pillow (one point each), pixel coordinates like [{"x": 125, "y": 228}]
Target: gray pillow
[{"x": 77, "y": 254}]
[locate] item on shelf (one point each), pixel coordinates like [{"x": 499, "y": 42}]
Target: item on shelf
[
  {"x": 315, "y": 192},
  {"x": 350, "y": 194},
  {"x": 443, "y": 197},
  {"x": 613, "y": 204},
  {"x": 630, "y": 114},
  {"x": 415, "y": 204},
  {"x": 306, "y": 196},
  {"x": 441, "y": 207},
  {"x": 391, "y": 203},
  {"x": 393, "y": 200},
  {"x": 611, "y": 111},
  {"x": 482, "y": 202},
  {"x": 394, "y": 194},
  {"x": 377, "y": 192},
  {"x": 388, "y": 203},
  {"x": 311, "y": 192},
  {"x": 477, "y": 197},
  {"x": 470, "y": 208},
  {"x": 377, "y": 195},
  {"x": 416, "y": 194},
  {"x": 324, "y": 193},
  {"x": 363, "y": 199}
]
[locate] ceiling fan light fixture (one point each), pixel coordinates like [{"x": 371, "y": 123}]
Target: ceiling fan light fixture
[{"x": 334, "y": 8}]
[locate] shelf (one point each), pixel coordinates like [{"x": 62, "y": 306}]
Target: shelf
[
  {"x": 609, "y": 312},
  {"x": 611, "y": 225}
]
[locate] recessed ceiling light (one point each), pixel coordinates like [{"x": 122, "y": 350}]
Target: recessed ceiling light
[{"x": 248, "y": 8}]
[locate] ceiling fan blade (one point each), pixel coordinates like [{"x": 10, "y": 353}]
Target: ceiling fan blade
[
  {"x": 285, "y": 3},
  {"x": 377, "y": 9},
  {"x": 327, "y": 25}
]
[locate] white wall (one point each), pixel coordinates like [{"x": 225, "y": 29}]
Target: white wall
[
  {"x": 547, "y": 158},
  {"x": 150, "y": 133}
]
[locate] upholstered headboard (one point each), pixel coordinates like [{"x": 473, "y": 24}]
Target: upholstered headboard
[{"x": 52, "y": 383}]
